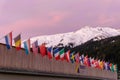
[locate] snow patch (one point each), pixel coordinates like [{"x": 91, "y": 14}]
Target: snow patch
[{"x": 78, "y": 37}]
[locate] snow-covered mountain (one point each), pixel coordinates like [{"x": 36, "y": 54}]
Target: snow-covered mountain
[{"x": 78, "y": 37}]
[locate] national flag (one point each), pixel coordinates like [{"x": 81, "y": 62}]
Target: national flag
[
  {"x": 56, "y": 53},
  {"x": 89, "y": 64},
  {"x": 86, "y": 60},
  {"x": 62, "y": 53},
  {"x": 27, "y": 46},
  {"x": 35, "y": 47},
  {"x": 17, "y": 41},
  {"x": 104, "y": 65},
  {"x": 111, "y": 67},
  {"x": 72, "y": 57},
  {"x": 101, "y": 65},
  {"x": 81, "y": 58},
  {"x": 50, "y": 52},
  {"x": 67, "y": 56},
  {"x": 77, "y": 57},
  {"x": 92, "y": 62},
  {"x": 43, "y": 50},
  {"x": 107, "y": 67},
  {"x": 8, "y": 40},
  {"x": 96, "y": 64},
  {"x": 115, "y": 68}
]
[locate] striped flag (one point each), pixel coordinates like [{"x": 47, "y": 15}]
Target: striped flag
[
  {"x": 17, "y": 41},
  {"x": 81, "y": 58},
  {"x": 27, "y": 46},
  {"x": 67, "y": 56},
  {"x": 62, "y": 54},
  {"x": 56, "y": 54},
  {"x": 35, "y": 47},
  {"x": 50, "y": 52},
  {"x": 8, "y": 40}
]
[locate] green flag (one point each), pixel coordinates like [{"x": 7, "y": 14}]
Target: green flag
[
  {"x": 62, "y": 53},
  {"x": 112, "y": 68},
  {"x": 115, "y": 68}
]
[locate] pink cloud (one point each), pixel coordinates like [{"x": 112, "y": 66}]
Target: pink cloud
[
  {"x": 107, "y": 2},
  {"x": 34, "y": 24},
  {"x": 58, "y": 16},
  {"x": 103, "y": 19}
]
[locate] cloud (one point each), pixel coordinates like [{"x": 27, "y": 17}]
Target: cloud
[
  {"x": 103, "y": 19},
  {"x": 30, "y": 25},
  {"x": 108, "y": 20}
]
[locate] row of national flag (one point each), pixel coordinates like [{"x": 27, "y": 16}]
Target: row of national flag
[
  {"x": 58, "y": 53},
  {"x": 96, "y": 63},
  {"x": 35, "y": 48}
]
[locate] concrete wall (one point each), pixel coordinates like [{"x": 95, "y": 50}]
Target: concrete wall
[{"x": 12, "y": 59}]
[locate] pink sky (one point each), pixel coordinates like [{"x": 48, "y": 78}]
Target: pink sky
[{"x": 43, "y": 17}]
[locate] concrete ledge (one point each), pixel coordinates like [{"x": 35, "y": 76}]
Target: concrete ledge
[{"x": 43, "y": 74}]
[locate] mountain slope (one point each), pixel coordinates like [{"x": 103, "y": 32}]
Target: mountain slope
[
  {"x": 78, "y": 37},
  {"x": 106, "y": 49}
]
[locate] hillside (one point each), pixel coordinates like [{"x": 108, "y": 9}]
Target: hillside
[{"x": 106, "y": 49}]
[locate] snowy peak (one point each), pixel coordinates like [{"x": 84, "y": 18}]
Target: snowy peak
[
  {"x": 78, "y": 37},
  {"x": 99, "y": 33}
]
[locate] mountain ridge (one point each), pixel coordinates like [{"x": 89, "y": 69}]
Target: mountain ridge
[{"x": 77, "y": 37}]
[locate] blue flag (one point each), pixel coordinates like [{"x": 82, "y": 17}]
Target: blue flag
[
  {"x": 8, "y": 40},
  {"x": 27, "y": 46},
  {"x": 72, "y": 57}
]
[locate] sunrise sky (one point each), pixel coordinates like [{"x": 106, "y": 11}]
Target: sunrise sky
[{"x": 43, "y": 17}]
